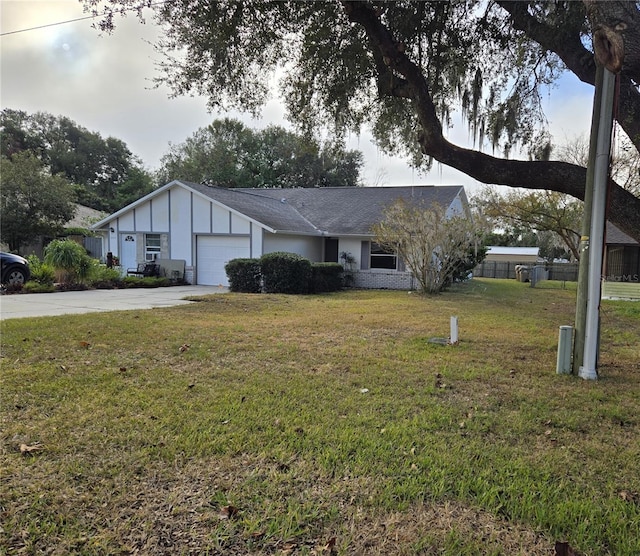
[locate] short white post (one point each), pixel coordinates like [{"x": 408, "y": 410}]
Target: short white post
[
  {"x": 565, "y": 348},
  {"x": 453, "y": 338}
]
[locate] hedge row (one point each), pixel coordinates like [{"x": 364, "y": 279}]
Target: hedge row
[{"x": 283, "y": 273}]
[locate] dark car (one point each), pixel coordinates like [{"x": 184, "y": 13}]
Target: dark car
[{"x": 13, "y": 270}]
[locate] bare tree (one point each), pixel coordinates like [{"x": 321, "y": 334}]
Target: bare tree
[
  {"x": 625, "y": 159},
  {"x": 543, "y": 211},
  {"x": 432, "y": 245}
]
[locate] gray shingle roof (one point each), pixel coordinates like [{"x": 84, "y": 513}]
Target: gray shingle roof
[
  {"x": 330, "y": 210},
  {"x": 615, "y": 236}
]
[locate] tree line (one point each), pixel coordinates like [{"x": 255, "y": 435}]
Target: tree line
[{"x": 49, "y": 163}]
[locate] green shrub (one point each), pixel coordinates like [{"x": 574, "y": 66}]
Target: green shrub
[
  {"x": 33, "y": 286},
  {"x": 41, "y": 272},
  {"x": 146, "y": 282},
  {"x": 285, "y": 273},
  {"x": 326, "y": 277},
  {"x": 70, "y": 259},
  {"x": 244, "y": 275},
  {"x": 76, "y": 231},
  {"x": 104, "y": 278}
]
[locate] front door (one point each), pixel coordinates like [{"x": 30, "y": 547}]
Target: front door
[
  {"x": 128, "y": 251},
  {"x": 330, "y": 250}
]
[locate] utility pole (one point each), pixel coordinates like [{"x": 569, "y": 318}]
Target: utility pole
[
  {"x": 583, "y": 269},
  {"x": 600, "y": 163}
]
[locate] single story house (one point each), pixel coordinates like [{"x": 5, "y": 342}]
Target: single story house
[
  {"x": 622, "y": 256},
  {"x": 206, "y": 226},
  {"x": 622, "y": 265}
]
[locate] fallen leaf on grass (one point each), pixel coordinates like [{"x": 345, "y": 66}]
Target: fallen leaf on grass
[
  {"x": 563, "y": 549},
  {"x": 26, "y": 450},
  {"x": 439, "y": 383},
  {"x": 330, "y": 546},
  {"x": 629, "y": 496},
  {"x": 228, "y": 512},
  {"x": 289, "y": 547}
]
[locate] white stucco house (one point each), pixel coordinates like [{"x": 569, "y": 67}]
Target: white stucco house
[{"x": 206, "y": 226}]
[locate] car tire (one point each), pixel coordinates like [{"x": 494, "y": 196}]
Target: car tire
[{"x": 14, "y": 276}]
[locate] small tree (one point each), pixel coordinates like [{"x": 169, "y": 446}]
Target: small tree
[{"x": 432, "y": 246}]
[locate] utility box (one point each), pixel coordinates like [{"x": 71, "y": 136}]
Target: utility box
[{"x": 565, "y": 347}]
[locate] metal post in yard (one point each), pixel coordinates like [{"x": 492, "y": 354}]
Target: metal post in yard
[
  {"x": 563, "y": 363},
  {"x": 588, "y": 369},
  {"x": 583, "y": 268}
]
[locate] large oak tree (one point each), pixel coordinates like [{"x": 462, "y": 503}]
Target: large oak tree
[{"x": 402, "y": 67}]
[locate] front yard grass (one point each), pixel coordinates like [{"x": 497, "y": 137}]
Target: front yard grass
[{"x": 329, "y": 424}]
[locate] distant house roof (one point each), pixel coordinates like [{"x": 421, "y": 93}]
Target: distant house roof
[
  {"x": 326, "y": 210},
  {"x": 84, "y": 217},
  {"x": 514, "y": 251},
  {"x": 615, "y": 236}
]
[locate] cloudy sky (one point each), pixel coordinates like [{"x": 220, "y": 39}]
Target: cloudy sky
[{"x": 104, "y": 83}]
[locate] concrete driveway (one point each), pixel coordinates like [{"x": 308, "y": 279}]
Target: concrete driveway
[{"x": 94, "y": 301}]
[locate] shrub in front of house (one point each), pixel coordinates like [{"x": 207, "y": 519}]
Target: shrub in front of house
[
  {"x": 146, "y": 282},
  {"x": 285, "y": 273},
  {"x": 244, "y": 275},
  {"x": 326, "y": 277},
  {"x": 37, "y": 287},
  {"x": 71, "y": 262},
  {"x": 104, "y": 278},
  {"x": 41, "y": 272}
]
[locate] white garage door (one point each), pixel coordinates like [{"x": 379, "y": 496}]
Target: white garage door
[{"x": 213, "y": 252}]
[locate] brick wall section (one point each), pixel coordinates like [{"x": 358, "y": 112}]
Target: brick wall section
[{"x": 381, "y": 280}]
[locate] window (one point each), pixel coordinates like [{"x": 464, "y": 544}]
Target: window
[
  {"x": 382, "y": 258},
  {"x": 151, "y": 247}
]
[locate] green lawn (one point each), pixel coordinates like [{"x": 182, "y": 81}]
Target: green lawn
[{"x": 269, "y": 424}]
